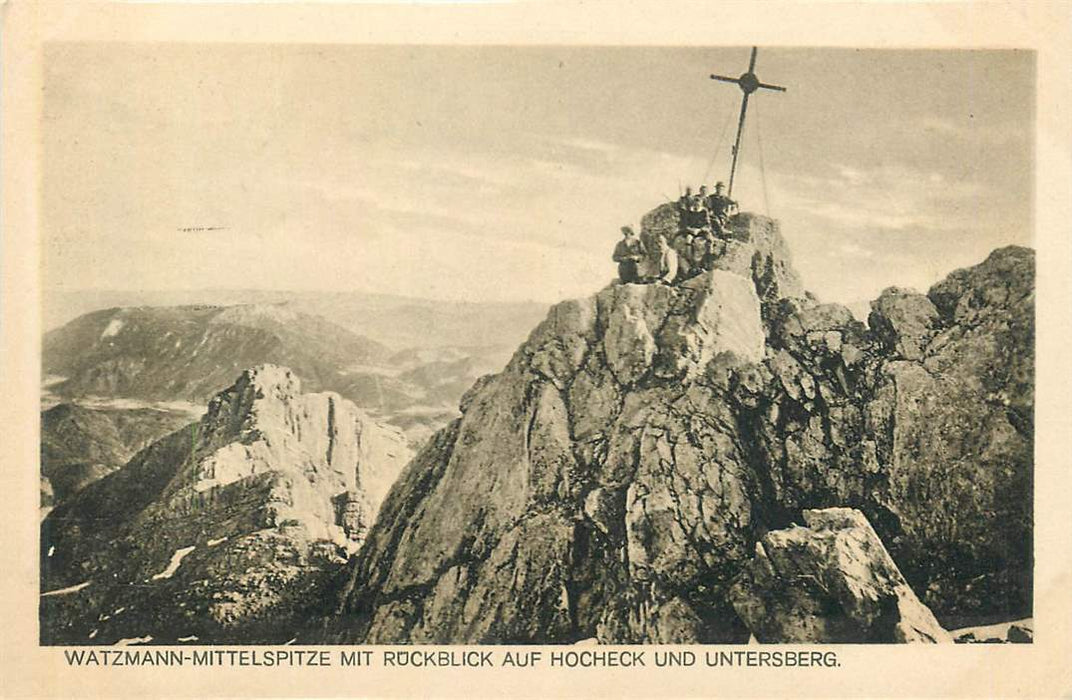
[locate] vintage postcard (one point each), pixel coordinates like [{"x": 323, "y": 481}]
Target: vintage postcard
[{"x": 536, "y": 349}]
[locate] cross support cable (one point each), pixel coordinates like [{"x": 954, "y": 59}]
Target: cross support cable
[{"x": 749, "y": 83}]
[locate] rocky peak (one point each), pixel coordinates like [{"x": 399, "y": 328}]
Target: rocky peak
[
  {"x": 260, "y": 500},
  {"x": 613, "y": 480},
  {"x": 325, "y": 445}
]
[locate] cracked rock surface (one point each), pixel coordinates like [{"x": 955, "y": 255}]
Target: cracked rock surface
[{"x": 614, "y": 479}]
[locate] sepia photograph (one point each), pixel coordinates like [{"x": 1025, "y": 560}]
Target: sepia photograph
[
  {"x": 563, "y": 362},
  {"x": 547, "y": 345}
]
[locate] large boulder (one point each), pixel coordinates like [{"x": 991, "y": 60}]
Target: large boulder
[{"x": 831, "y": 581}]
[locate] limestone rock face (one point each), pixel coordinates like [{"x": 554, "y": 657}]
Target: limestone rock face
[
  {"x": 220, "y": 530},
  {"x": 831, "y": 581},
  {"x": 613, "y": 481}
]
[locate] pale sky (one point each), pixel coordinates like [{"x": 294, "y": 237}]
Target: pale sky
[{"x": 504, "y": 173}]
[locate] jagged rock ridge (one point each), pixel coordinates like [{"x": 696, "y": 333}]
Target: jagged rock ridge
[
  {"x": 613, "y": 480},
  {"x": 224, "y": 530}
]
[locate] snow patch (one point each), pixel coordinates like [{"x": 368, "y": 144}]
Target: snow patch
[
  {"x": 51, "y": 550},
  {"x": 112, "y": 329},
  {"x": 190, "y": 638},
  {"x": 93, "y": 634},
  {"x": 69, "y": 589},
  {"x": 999, "y": 630},
  {"x": 213, "y": 543},
  {"x": 173, "y": 565},
  {"x": 128, "y": 641}
]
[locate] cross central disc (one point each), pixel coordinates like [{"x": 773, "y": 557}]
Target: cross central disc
[{"x": 749, "y": 83}]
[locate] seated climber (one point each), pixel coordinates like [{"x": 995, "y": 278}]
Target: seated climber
[
  {"x": 700, "y": 252},
  {"x": 683, "y": 246},
  {"x": 721, "y": 208},
  {"x": 628, "y": 253},
  {"x": 668, "y": 262},
  {"x": 684, "y": 200},
  {"x": 695, "y": 218}
]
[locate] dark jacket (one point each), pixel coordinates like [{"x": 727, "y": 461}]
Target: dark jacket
[{"x": 629, "y": 249}]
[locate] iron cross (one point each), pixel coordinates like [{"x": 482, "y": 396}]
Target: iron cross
[{"x": 749, "y": 83}]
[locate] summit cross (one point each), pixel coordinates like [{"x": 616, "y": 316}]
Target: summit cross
[{"x": 749, "y": 83}]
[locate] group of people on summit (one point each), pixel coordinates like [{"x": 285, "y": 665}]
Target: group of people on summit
[{"x": 704, "y": 222}]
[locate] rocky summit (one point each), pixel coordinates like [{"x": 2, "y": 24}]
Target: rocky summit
[
  {"x": 614, "y": 480},
  {"x": 225, "y": 530}
]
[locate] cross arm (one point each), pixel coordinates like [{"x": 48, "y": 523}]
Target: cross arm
[
  {"x": 724, "y": 79},
  {"x": 779, "y": 88}
]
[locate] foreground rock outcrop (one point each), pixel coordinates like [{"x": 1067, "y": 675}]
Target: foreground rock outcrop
[
  {"x": 613, "y": 480},
  {"x": 830, "y": 582},
  {"x": 225, "y": 530}
]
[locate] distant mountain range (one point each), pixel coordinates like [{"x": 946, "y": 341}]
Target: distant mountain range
[
  {"x": 398, "y": 322},
  {"x": 192, "y": 352}
]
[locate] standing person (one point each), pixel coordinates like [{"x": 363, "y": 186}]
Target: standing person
[{"x": 629, "y": 251}]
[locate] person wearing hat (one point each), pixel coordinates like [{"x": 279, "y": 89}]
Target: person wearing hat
[
  {"x": 721, "y": 208},
  {"x": 629, "y": 251},
  {"x": 700, "y": 252}
]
